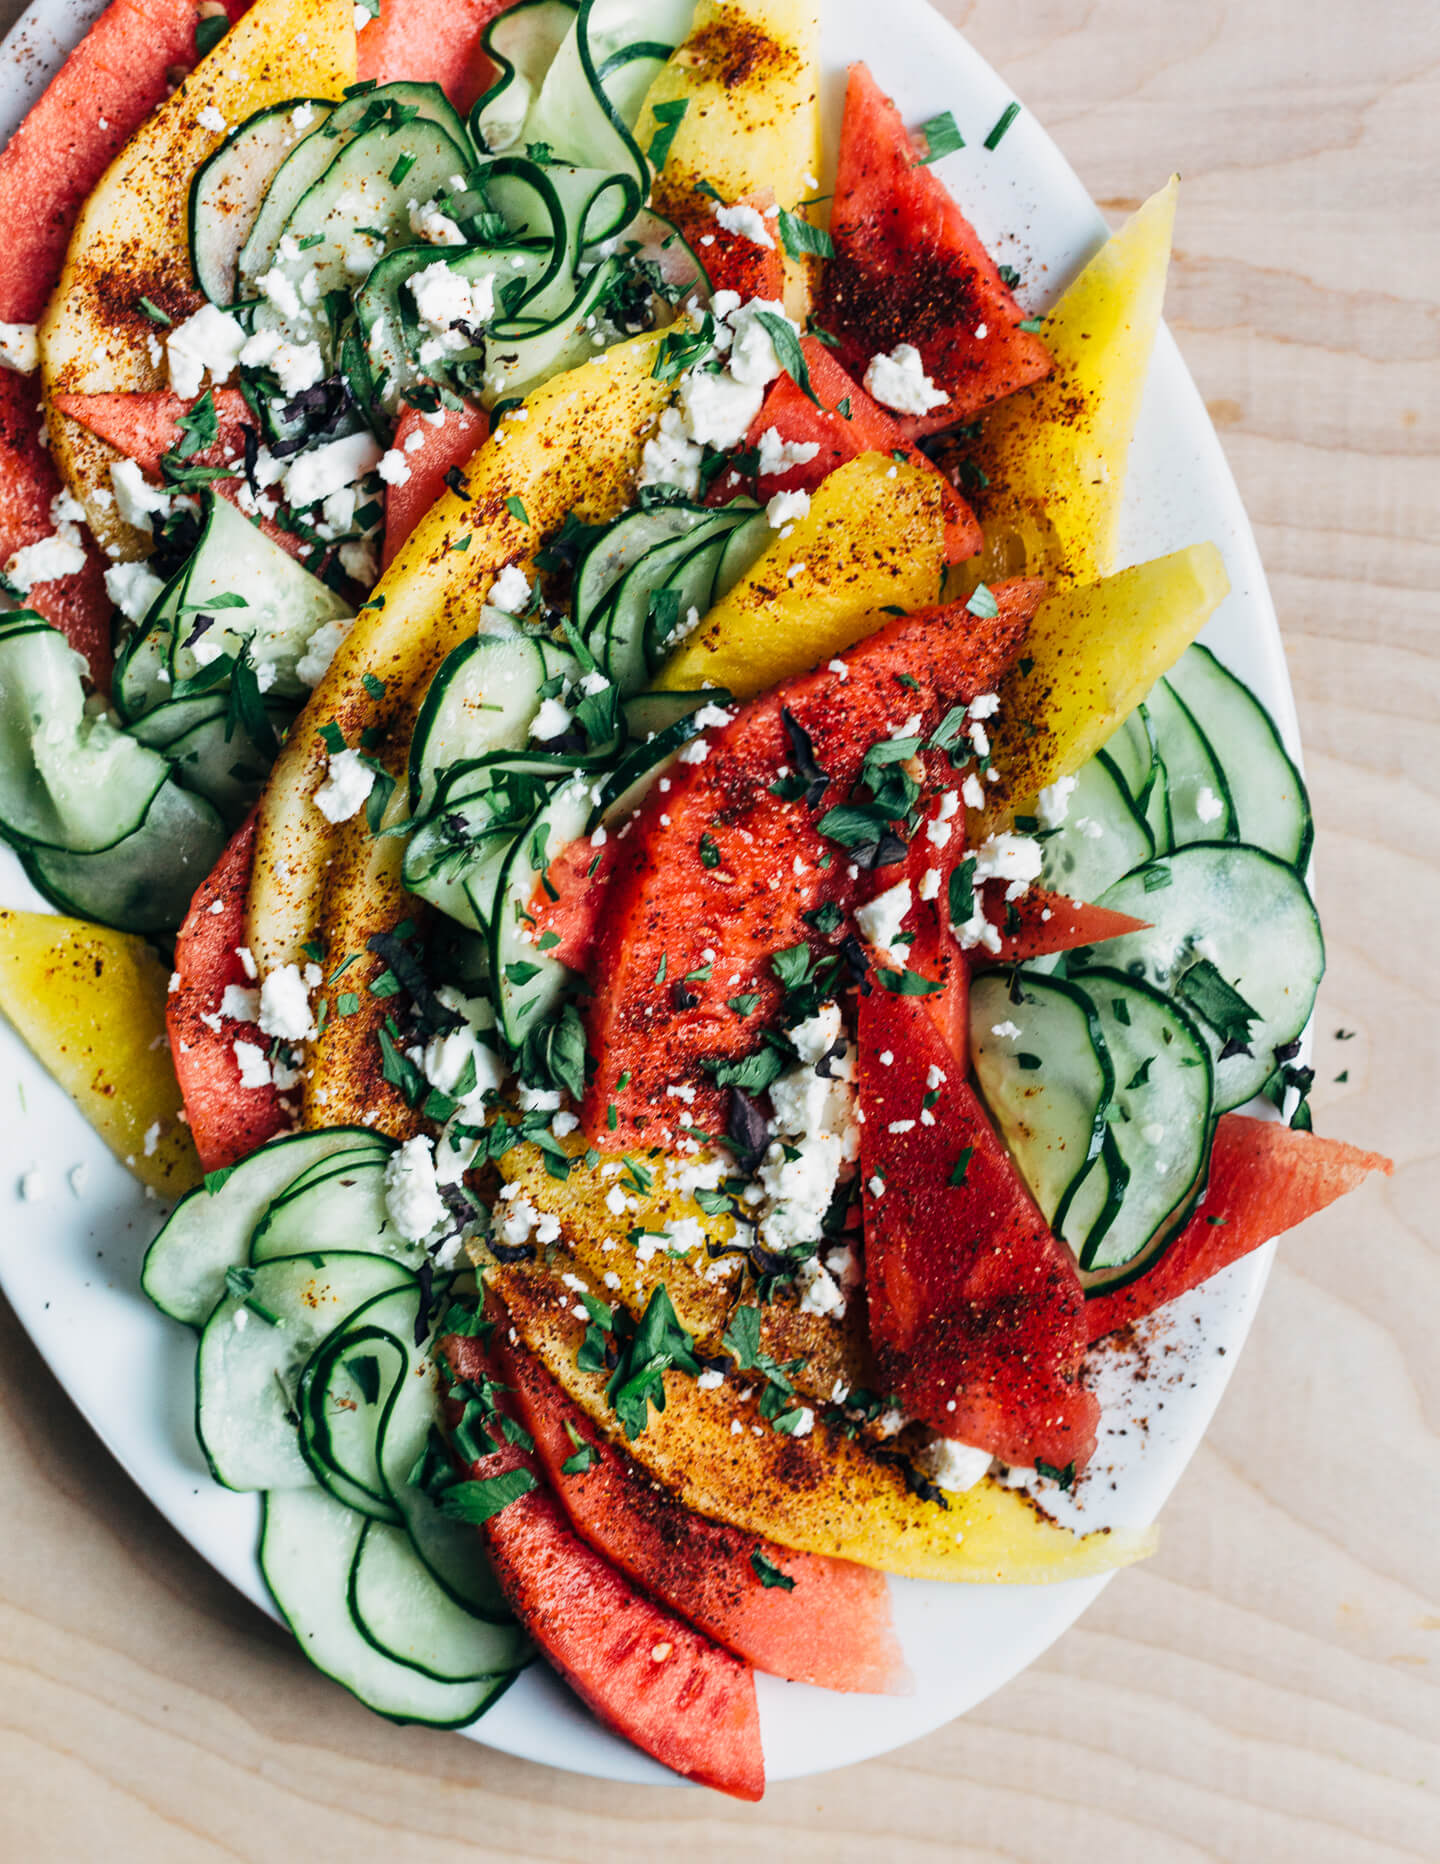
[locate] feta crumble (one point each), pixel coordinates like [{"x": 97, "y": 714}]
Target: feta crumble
[
  {"x": 412, "y": 1197},
  {"x": 348, "y": 783},
  {"x": 285, "y": 1005},
  {"x": 746, "y": 222},
  {"x": 899, "y": 381}
]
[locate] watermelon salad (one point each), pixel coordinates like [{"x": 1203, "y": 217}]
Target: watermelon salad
[{"x": 718, "y": 940}]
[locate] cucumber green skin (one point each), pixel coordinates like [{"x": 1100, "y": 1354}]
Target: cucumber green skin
[
  {"x": 518, "y": 1007},
  {"x": 517, "y": 1658},
  {"x": 1129, "y": 895},
  {"x": 34, "y": 636},
  {"x": 353, "y": 1336},
  {"x": 320, "y": 148},
  {"x": 1209, "y": 689},
  {"x": 1040, "y": 986},
  {"x": 480, "y": 1696},
  {"x": 195, "y": 206},
  {"x": 1095, "y": 982},
  {"x": 378, "y": 1276},
  {"x": 1190, "y": 762},
  {"x": 549, "y": 660},
  {"x": 198, "y": 1205},
  {"x": 136, "y": 886}
]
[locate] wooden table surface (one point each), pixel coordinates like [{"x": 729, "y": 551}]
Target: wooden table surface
[{"x": 1265, "y": 1689}]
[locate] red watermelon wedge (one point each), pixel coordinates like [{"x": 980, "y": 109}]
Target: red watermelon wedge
[
  {"x": 569, "y": 900},
  {"x": 77, "y": 605},
  {"x": 227, "y": 1120},
  {"x": 1264, "y": 1179},
  {"x": 144, "y": 424},
  {"x": 646, "y": 1673},
  {"x": 444, "y": 446},
  {"x": 431, "y": 42},
  {"x": 909, "y": 268},
  {"x": 976, "y": 1312},
  {"x": 92, "y": 106},
  {"x": 842, "y": 436},
  {"x": 831, "y": 1628},
  {"x": 1047, "y": 922},
  {"x": 718, "y": 871}
]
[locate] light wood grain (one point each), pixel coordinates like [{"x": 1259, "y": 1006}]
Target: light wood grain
[{"x": 1265, "y": 1690}]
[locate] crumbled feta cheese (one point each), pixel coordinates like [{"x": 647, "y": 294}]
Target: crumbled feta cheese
[
  {"x": 135, "y": 498},
  {"x": 19, "y": 349},
  {"x": 359, "y": 561},
  {"x": 1007, "y": 1031},
  {"x": 551, "y": 721},
  {"x": 1052, "y": 805},
  {"x": 132, "y": 587},
  {"x": 670, "y": 457},
  {"x": 296, "y": 366},
  {"x": 745, "y": 221},
  {"x": 696, "y": 751},
  {"x": 799, "y": 1188},
  {"x": 929, "y": 886},
  {"x": 211, "y": 119},
  {"x": 46, "y": 560},
  {"x": 786, "y": 507},
  {"x": 348, "y": 782},
  {"x": 984, "y": 705},
  {"x": 952, "y": 1465},
  {"x": 240, "y": 1004},
  {"x": 819, "y": 1292},
  {"x": 710, "y": 1380},
  {"x": 879, "y": 922},
  {"x": 209, "y": 343},
  {"x": 805, "y": 1423},
  {"x": 254, "y": 1069},
  {"x": 1016, "y": 859},
  {"x": 444, "y": 297},
  {"x": 1208, "y": 805},
  {"x": 777, "y": 455},
  {"x": 717, "y": 409},
  {"x": 899, "y": 381},
  {"x": 285, "y": 1005},
  {"x": 315, "y": 475},
  {"x": 302, "y": 116},
  {"x": 428, "y": 223},
  {"x": 972, "y": 791},
  {"x": 412, "y": 1197},
  {"x": 394, "y": 468},
  {"x": 321, "y": 648},
  {"x": 277, "y": 286},
  {"x": 753, "y": 359},
  {"x": 510, "y": 591}
]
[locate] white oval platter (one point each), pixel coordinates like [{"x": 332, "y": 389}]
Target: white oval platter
[{"x": 69, "y": 1264}]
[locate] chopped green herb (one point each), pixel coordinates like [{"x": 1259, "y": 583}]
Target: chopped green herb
[
  {"x": 942, "y": 137},
  {"x": 516, "y": 507},
  {"x": 1002, "y": 123},
  {"x": 798, "y": 238},
  {"x": 669, "y": 116},
  {"x": 479, "y": 1501}
]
